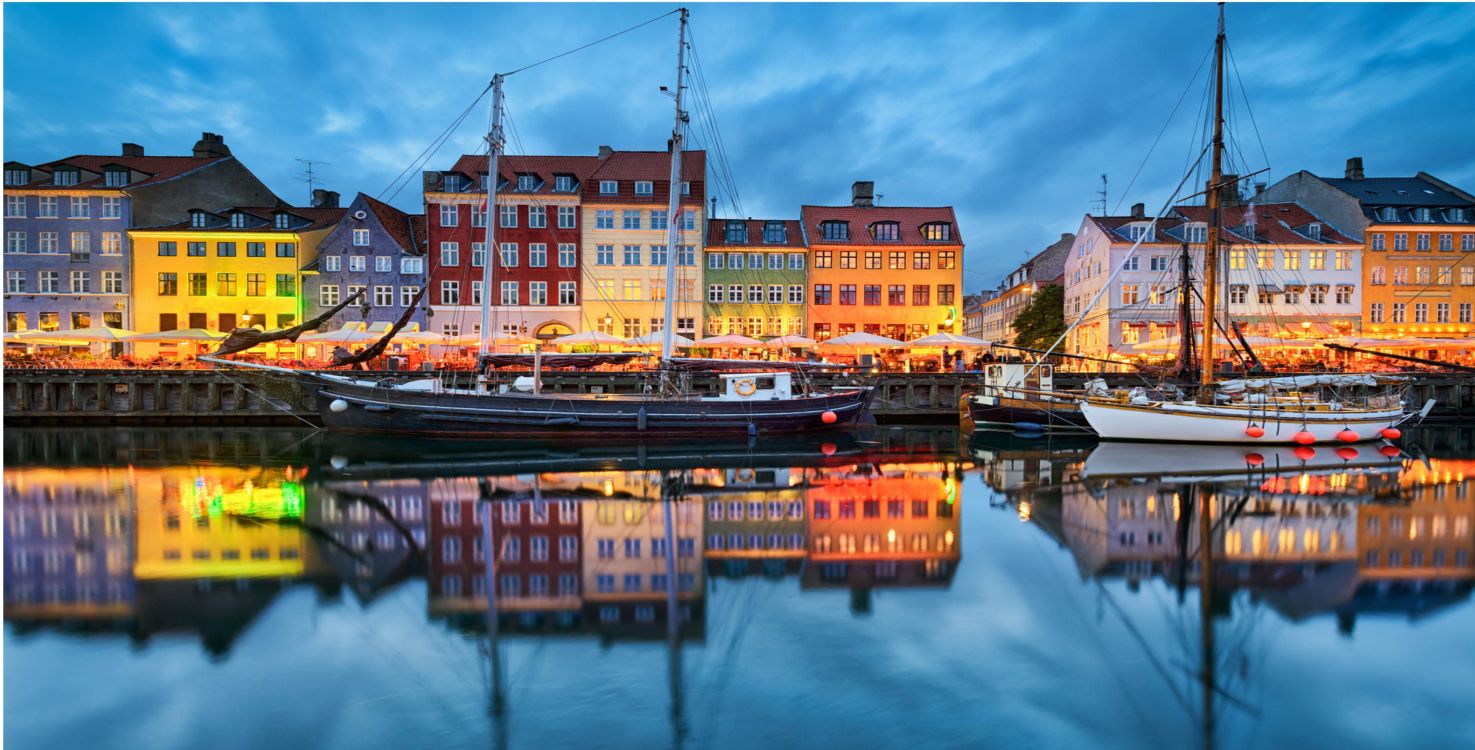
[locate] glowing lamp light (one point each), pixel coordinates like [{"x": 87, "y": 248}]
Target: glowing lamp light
[
  {"x": 1391, "y": 433},
  {"x": 1305, "y": 452},
  {"x": 891, "y": 536},
  {"x": 1254, "y": 459},
  {"x": 609, "y": 488},
  {"x": 1347, "y": 453},
  {"x": 828, "y": 417},
  {"x": 1304, "y": 437},
  {"x": 1347, "y": 436},
  {"x": 1255, "y": 431}
]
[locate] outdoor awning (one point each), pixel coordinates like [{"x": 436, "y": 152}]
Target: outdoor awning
[{"x": 1272, "y": 288}]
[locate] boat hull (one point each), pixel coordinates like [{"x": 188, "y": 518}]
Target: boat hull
[
  {"x": 1195, "y": 423},
  {"x": 592, "y": 417},
  {"x": 999, "y": 412}
]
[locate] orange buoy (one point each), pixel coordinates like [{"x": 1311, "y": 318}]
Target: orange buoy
[
  {"x": 1391, "y": 451},
  {"x": 1304, "y": 438},
  {"x": 828, "y": 449},
  {"x": 1254, "y": 459},
  {"x": 1255, "y": 431},
  {"x": 1392, "y": 433},
  {"x": 1347, "y": 436},
  {"x": 1305, "y": 452},
  {"x": 828, "y": 417},
  {"x": 1347, "y": 453}
]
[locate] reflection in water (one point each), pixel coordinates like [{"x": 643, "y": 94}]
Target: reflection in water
[{"x": 143, "y": 533}]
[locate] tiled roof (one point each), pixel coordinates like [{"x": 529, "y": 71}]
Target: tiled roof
[
  {"x": 717, "y": 234},
  {"x": 509, "y": 166},
  {"x": 418, "y": 231},
  {"x": 910, "y": 219},
  {"x": 158, "y": 169},
  {"x": 1275, "y": 224},
  {"x": 397, "y": 223},
  {"x": 627, "y": 167},
  {"x": 318, "y": 218},
  {"x": 1397, "y": 191}
]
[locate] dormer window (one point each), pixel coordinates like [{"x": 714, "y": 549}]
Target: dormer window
[
  {"x": 1421, "y": 215},
  {"x": 834, "y": 230},
  {"x": 64, "y": 177},
  {"x": 886, "y": 231},
  {"x": 1195, "y": 233},
  {"x": 774, "y": 233},
  {"x": 937, "y": 231},
  {"x": 197, "y": 218},
  {"x": 1314, "y": 231},
  {"x": 453, "y": 183},
  {"x": 608, "y": 187},
  {"x": 486, "y": 182},
  {"x": 1457, "y": 215},
  {"x": 645, "y": 187},
  {"x": 115, "y": 177},
  {"x": 17, "y": 176},
  {"x": 686, "y": 188},
  {"x": 527, "y": 182},
  {"x": 1387, "y": 213},
  {"x": 1141, "y": 233},
  {"x": 563, "y": 183},
  {"x": 237, "y": 221},
  {"x": 737, "y": 233},
  {"x": 282, "y": 221}
]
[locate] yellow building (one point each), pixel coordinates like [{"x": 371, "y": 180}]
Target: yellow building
[
  {"x": 220, "y": 271},
  {"x": 624, "y": 545},
  {"x": 623, "y": 243}
]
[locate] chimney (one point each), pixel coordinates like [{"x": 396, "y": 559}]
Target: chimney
[
  {"x": 863, "y": 194},
  {"x": 1259, "y": 189},
  {"x": 1139, "y": 211},
  {"x": 211, "y": 144},
  {"x": 1354, "y": 168},
  {"x": 324, "y": 198},
  {"x": 1228, "y": 190},
  {"x": 132, "y": 149},
  {"x": 605, "y": 152}
]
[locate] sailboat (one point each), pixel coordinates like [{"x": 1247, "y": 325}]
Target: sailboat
[
  {"x": 757, "y": 401},
  {"x": 1277, "y": 410}
]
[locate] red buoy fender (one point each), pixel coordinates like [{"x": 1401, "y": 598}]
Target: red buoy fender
[
  {"x": 1392, "y": 433},
  {"x": 828, "y": 417},
  {"x": 1347, "y": 436},
  {"x": 1255, "y": 431},
  {"x": 1304, "y": 438}
]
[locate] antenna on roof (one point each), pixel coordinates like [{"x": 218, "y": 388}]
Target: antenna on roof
[
  {"x": 309, "y": 177},
  {"x": 1102, "y": 193}
]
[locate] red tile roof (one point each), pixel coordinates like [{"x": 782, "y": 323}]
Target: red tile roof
[
  {"x": 911, "y": 220},
  {"x": 509, "y": 166},
  {"x": 1275, "y": 224},
  {"x": 320, "y": 218},
  {"x": 159, "y": 169},
  {"x": 717, "y": 234},
  {"x": 397, "y": 223},
  {"x": 627, "y": 167}
]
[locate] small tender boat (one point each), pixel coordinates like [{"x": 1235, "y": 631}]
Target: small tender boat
[{"x": 1021, "y": 397}]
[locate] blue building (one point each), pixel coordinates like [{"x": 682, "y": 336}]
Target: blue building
[
  {"x": 375, "y": 247},
  {"x": 67, "y": 253}
]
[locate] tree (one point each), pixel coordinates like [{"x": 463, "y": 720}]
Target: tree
[{"x": 1042, "y": 321}]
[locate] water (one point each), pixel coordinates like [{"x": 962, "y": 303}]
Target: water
[{"x": 275, "y": 588}]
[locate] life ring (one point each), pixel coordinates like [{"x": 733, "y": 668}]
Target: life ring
[
  {"x": 745, "y": 388},
  {"x": 746, "y": 475}
]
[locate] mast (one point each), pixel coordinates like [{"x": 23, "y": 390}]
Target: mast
[
  {"x": 1186, "y": 359},
  {"x": 1211, "y": 245},
  {"x": 673, "y": 223},
  {"x": 494, "y": 149}
]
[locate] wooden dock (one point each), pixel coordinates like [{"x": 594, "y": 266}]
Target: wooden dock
[{"x": 214, "y": 397}]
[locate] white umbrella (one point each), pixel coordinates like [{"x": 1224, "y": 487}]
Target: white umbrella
[
  {"x": 861, "y": 339},
  {"x": 730, "y": 340},
  {"x": 948, "y": 339},
  {"x": 790, "y": 340},
  {"x": 183, "y": 334},
  {"x": 658, "y": 338},
  {"x": 595, "y": 337},
  {"x": 92, "y": 334},
  {"x": 340, "y": 335},
  {"x": 420, "y": 337}
]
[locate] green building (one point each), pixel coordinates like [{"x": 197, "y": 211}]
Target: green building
[{"x": 757, "y": 272}]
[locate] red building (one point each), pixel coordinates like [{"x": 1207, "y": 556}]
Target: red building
[{"x": 536, "y": 285}]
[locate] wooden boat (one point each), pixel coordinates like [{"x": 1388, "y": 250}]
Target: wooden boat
[{"x": 1016, "y": 396}]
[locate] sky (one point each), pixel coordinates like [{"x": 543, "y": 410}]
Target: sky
[{"x": 1009, "y": 113}]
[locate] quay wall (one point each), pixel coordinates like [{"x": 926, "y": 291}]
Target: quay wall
[{"x": 240, "y": 397}]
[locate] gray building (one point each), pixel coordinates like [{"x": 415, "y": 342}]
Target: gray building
[{"x": 375, "y": 247}]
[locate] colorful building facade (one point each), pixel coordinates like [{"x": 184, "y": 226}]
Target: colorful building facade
[
  {"x": 885, "y": 270},
  {"x": 67, "y": 249},
  {"x": 625, "y": 232},
  {"x": 756, "y": 277},
  {"x": 375, "y": 248},
  {"x": 239, "y": 267}
]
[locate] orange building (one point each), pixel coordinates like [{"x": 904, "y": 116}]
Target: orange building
[
  {"x": 1428, "y": 535},
  {"x": 885, "y": 270}
]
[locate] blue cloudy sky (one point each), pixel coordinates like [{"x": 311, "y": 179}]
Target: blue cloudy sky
[{"x": 1010, "y": 113}]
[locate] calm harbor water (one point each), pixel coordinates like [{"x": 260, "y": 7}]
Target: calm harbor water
[{"x": 895, "y": 588}]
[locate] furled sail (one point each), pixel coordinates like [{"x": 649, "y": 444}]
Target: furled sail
[{"x": 242, "y": 339}]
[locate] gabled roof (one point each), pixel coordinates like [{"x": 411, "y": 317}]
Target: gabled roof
[
  {"x": 1050, "y": 262},
  {"x": 157, "y": 168},
  {"x": 317, "y": 218},
  {"x": 910, "y": 220},
  {"x": 717, "y": 233},
  {"x": 398, "y": 224},
  {"x": 509, "y": 166},
  {"x": 628, "y": 167},
  {"x": 1403, "y": 195},
  {"x": 1275, "y": 224}
]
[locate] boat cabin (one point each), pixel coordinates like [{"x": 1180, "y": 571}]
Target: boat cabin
[
  {"x": 752, "y": 386},
  {"x": 1018, "y": 375}
]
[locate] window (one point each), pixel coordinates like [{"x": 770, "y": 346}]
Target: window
[
  {"x": 774, "y": 233},
  {"x": 255, "y": 284},
  {"x": 1375, "y": 312},
  {"x": 450, "y": 253},
  {"x": 873, "y": 260},
  {"x": 947, "y": 259},
  {"x": 1467, "y": 242},
  {"x": 1237, "y": 258},
  {"x": 796, "y": 261},
  {"x": 1444, "y": 275},
  {"x": 632, "y": 292},
  {"x": 407, "y": 295},
  {"x": 508, "y": 254},
  {"x": 357, "y": 263},
  {"x": 537, "y": 293},
  {"x": 225, "y": 284},
  {"x": 538, "y": 217},
  {"x": 1421, "y": 312},
  {"x": 921, "y": 261},
  {"x": 1344, "y": 295},
  {"x": 604, "y": 219},
  {"x": 945, "y": 294},
  {"x": 644, "y": 187},
  {"x": 51, "y": 281},
  {"x": 1398, "y": 312},
  {"x": 847, "y": 294},
  {"x": 195, "y": 249},
  {"x": 1421, "y": 242},
  {"x": 1377, "y": 241},
  {"x": 15, "y": 242},
  {"x": 286, "y": 285},
  {"x": 1238, "y": 294},
  {"x": 283, "y": 221},
  {"x": 630, "y": 219},
  {"x": 886, "y": 231},
  {"x": 1317, "y": 260},
  {"x": 872, "y": 294},
  {"x": 566, "y": 217},
  {"x": 15, "y": 282},
  {"x": 383, "y": 295},
  {"x": 937, "y": 232},
  {"x": 686, "y": 255},
  {"x": 46, "y": 207},
  {"x": 82, "y": 247},
  {"x": 834, "y": 230},
  {"x": 507, "y": 216},
  {"x": 714, "y": 293},
  {"x": 1264, "y": 259},
  {"x": 448, "y": 213},
  {"x": 286, "y": 249},
  {"x": 450, "y": 292},
  {"x": 15, "y": 207},
  {"x": 1441, "y": 312},
  {"x": 330, "y": 263},
  {"x": 1467, "y": 276},
  {"x": 657, "y": 255},
  {"x": 921, "y": 295},
  {"x": 256, "y": 249},
  {"x": 1421, "y": 275},
  {"x": 1464, "y": 312},
  {"x": 167, "y": 248},
  {"x": 796, "y": 294},
  {"x": 1130, "y": 294},
  {"x": 81, "y": 283},
  {"x": 49, "y": 244},
  {"x": 509, "y": 293},
  {"x": 383, "y": 264},
  {"x": 847, "y": 258},
  {"x": 821, "y": 294},
  {"x": 168, "y": 283},
  {"x": 17, "y": 176},
  {"x": 604, "y": 255},
  {"x": 328, "y": 295},
  {"x": 1343, "y": 260},
  {"x": 1446, "y": 243},
  {"x": 1400, "y": 241},
  {"x": 237, "y": 220},
  {"x": 608, "y": 187}
]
